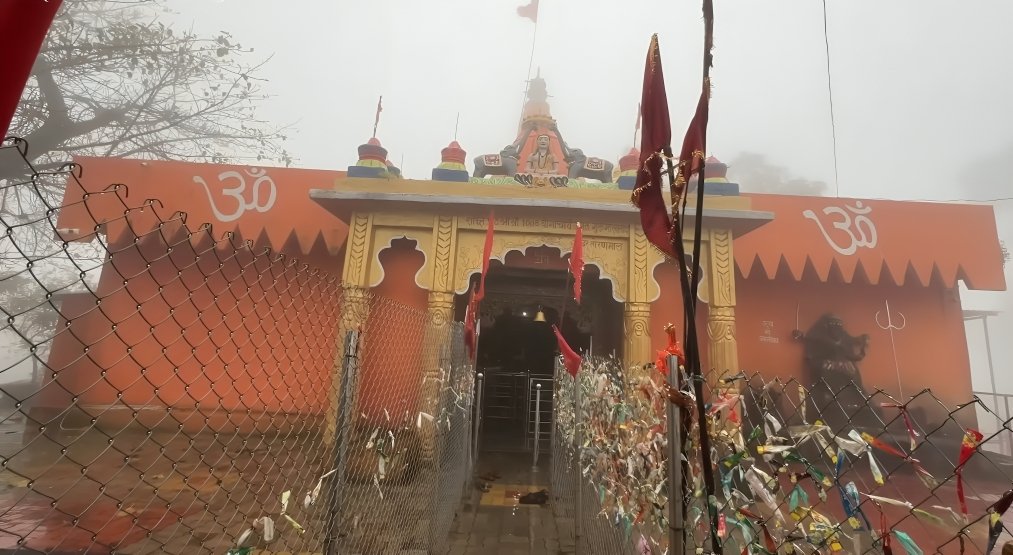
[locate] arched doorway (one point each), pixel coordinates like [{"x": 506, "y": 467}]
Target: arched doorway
[{"x": 525, "y": 296}]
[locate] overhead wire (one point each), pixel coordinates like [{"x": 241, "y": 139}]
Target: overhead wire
[{"x": 830, "y": 94}]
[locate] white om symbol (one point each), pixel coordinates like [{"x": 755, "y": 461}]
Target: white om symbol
[
  {"x": 237, "y": 192},
  {"x": 859, "y": 228}
]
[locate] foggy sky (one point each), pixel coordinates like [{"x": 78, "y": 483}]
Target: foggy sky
[
  {"x": 920, "y": 86},
  {"x": 922, "y": 89}
]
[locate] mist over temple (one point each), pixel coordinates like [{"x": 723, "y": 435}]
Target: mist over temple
[{"x": 672, "y": 345}]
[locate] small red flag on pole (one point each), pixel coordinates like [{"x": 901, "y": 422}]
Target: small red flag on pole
[
  {"x": 470, "y": 324},
  {"x": 529, "y": 11},
  {"x": 571, "y": 360},
  {"x": 577, "y": 262},
  {"x": 379, "y": 108},
  {"x": 486, "y": 255},
  {"x": 691, "y": 156}
]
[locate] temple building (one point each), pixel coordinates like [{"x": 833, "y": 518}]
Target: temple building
[{"x": 775, "y": 269}]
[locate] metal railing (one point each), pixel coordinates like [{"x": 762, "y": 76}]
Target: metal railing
[{"x": 538, "y": 425}]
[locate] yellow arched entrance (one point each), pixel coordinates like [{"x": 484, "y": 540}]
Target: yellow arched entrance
[{"x": 449, "y": 221}]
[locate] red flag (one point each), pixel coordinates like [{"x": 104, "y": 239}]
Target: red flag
[
  {"x": 968, "y": 447},
  {"x": 571, "y": 360},
  {"x": 655, "y": 138},
  {"x": 577, "y": 262},
  {"x": 379, "y": 108},
  {"x": 692, "y": 146},
  {"x": 673, "y": 349},
  {"x": 23, "y": 25},
  {"x": 470, "y": 335},
  {"x": 486, "y": 255},
  {"x": 530, "y": 11}
]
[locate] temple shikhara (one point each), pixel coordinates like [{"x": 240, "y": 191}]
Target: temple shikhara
[{"x": 785, "y": 282}]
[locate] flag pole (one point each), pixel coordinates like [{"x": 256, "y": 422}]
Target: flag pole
[
  {"x": 534, "y": 41},
  {"x": 708, "y": 471},
  {"x": 636, "y": 128},
  {"x": 379, "y": 108},
  {"x": 531, "y": 60}
]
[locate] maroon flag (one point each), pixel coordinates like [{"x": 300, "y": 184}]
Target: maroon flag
[
  {"x": 530, "y": 11},
  {"x": 486, "y": 255},
  {"x": 571, "y": 360},
  {"x": 470, "y": 324},
  {"x": 691, "y": 154},
  {"x": 23, "y": 25},
  {"x": 655, "y": 138},
  {"x": 577, "y": 262}
]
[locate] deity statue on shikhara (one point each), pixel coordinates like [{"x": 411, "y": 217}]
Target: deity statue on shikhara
[{"x": 835, "y": 382}]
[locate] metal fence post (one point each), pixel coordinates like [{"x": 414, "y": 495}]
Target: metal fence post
[
  {"x": 676, "y": 535},
  {"x": 479, "y": 388},
  {"x": 538, "y": 422},
  {"x": 349, "y": 367},
  {"x": 578, "y": 441}
]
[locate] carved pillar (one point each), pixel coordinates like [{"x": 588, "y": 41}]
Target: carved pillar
[
  {"x": 724, "y": 350},
  {"x": 437, "y": 339},
  {"x": 636, "y": 321},
  {"x": 355, "y": 303},
  {"x": 436, "y": 372},
  {"x": 637, "y": 309}
]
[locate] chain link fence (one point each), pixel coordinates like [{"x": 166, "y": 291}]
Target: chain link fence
[
  {"x": 168, "y": 390},
  {"x": 824, "y": 468},
  {"x": 405, "y": 461}
]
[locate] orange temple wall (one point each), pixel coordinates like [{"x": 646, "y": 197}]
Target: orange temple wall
[
  {"x": 931, "y": 348},
  {"x": 207, "y": 347}
]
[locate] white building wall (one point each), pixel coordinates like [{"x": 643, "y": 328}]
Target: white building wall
[{"x": 1000, "y": 328}]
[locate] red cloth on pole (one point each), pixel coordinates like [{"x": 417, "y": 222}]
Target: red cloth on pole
[
  {"x": 571, "y": 360},
  {"x": 23, "y": 26},
  {"x": 470, "y": 323},
  {"x": 692, "y": 154},
  {"x": 486, "y": 255},
  {"x": 530, "y": 11},
  {"x": 577, "y": 262},
  {"x": 655, "y": 138},
  {"x": 968, "y": 447},
  {"x": 376, "y": 123}
]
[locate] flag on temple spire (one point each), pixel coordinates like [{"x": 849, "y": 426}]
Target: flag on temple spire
[
  {"x": 486, "y": 255},
  {"x": 529, "y": 11},
  {"x": 577, "y": 262},
  {"x": 655, "y": 140},
  {"x": 379, "y": 108},
  {"x": 571, "y": 360}
]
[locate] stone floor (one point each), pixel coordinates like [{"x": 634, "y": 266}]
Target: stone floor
[{"x": 495, "y": 523}]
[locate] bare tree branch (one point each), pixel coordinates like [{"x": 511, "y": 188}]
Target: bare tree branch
[{"x": 113, "y": 80}]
